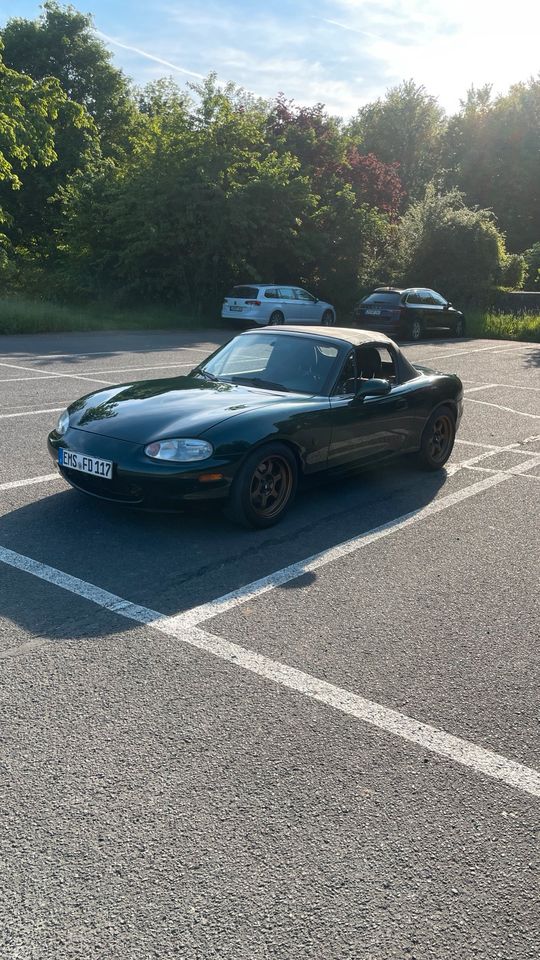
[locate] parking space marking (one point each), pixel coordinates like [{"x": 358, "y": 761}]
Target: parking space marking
[
  {"x": 87, "y": 373},
  {"x": 31, "y": 413},
  {"x": 485, "y": 386},
  {"x": 494, "y": 765},
  {"x": 215, "y": 608},
  {"x": 46, "y": 374},
  {"x": 46, "y": 478},
  {"x": 506, "y": 386},
  {"x": 511, "y": 472},
  {"x": 474, "y": 443},
  {"x": 462, "y": 353},
  {"x": 498, "y": 406}
]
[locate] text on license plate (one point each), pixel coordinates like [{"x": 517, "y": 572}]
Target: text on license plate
[
  {"x": 373, "y": 312},
  {"x": 237, "y": 309},
  {"x": 79, "y": 461}
]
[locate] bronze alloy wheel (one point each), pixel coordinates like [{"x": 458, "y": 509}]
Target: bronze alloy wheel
[
  {"x": 441, "y": 438},
  {"x": 271, "y": 486}
]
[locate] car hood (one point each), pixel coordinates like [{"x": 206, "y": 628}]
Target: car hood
[{"x": 178, "y": 407}]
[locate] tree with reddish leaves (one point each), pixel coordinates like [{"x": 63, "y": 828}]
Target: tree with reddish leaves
[{"x": 374, "y": 182}]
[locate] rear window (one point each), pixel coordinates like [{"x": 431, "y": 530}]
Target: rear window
[
  {"x": 244, "y": 293},
  {"x": 389, "y": 297}
]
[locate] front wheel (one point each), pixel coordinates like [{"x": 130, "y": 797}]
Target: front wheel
[
  {"x": 327, "y": 318},
  {"x": 264, "y": 487},
  {"x": 437, "y": 439},
  {"x": 459, "y": 327},
  {"x": 276, "y": 318}
]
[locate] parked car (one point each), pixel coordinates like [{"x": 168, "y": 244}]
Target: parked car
[
  {"x": 270, "y": 304},
  {"x": 408, "y": 313},
  {"x": 246, "y": 424}
]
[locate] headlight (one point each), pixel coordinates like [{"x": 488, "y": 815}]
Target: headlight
[
  {"x": 181, "y": 451},
  {"x": 63, "y": 423}
]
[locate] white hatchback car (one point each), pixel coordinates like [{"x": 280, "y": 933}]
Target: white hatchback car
[{"x": 271, "y": 304}]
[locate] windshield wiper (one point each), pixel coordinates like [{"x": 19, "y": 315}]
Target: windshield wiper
[
  {"x": 264, "y": 384},
  {"x": 206, "y": 375}
]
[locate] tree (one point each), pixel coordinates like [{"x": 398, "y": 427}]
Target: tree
[
  {"x": 29, "y": 111},
  {"x": 61, "y": 43},
  {"x": 532, "y": 262},
  {"x": 492, "y": 154},
  {"x": 405, "y": 128},
  {"x": 443, "y": 244}
]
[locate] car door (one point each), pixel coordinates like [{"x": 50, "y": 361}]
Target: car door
[
  {"x": 306, "y": 306},
  {"x": 367, "y": 429},
  {"x": 290, "y": 305}
]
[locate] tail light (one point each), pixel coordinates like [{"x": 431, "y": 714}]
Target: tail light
[{"x": 253, "y": 303}]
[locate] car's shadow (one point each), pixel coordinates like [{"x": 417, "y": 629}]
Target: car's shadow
[{"x": 172, "y": 562}]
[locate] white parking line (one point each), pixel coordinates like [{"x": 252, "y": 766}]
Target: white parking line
[
  {"x": 494, "y": 765},
  {"x": 45, "y": 373},
  {"x": 473, "y": 443},
  {"x": 511, "y": 472},
  {"x": 107, "y": 353},
  {"x": 88, "y": 373},
  {"x": 506, "y": 386},
  {"x": 498, "y": 406},
  {"x": 30, "y": 481},
  {"x": 461, "y": 353},
  {"x": 485, "y": 386},
  {"x": 31, "y": 413},
  {"x": 214, "y": 608}
]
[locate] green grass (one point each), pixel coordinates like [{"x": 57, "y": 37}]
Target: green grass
[
  {"x": 503, "y": 326},
  {"x": 18, "y": 315}
]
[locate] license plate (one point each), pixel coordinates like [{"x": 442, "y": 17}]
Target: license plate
[
  {"x": 84, "y": 463},
  {"x": 238, "y": 309},
  {"x": 373, "y": 313}
]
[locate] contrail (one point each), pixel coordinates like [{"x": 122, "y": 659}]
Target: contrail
[
  {"x": 150, "y": 56},
  {"x": 345, "y": 26}
]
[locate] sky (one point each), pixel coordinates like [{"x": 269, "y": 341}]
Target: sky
[{"x": 343, "y": 53}]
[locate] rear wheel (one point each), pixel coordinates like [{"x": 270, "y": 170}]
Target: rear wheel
[
  {"x": 416, "y": 329},
  {"x": 437, "y": 439},
  {"x": 264, "y": 487},
  {"x": 327, "y": 318},
  {"x": 276, "y": 317}
]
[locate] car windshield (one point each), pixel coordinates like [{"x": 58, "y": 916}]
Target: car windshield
[{"x": 280, "y": 362}]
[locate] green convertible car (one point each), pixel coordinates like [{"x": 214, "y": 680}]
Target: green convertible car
[{"x": 265, "y": 409}]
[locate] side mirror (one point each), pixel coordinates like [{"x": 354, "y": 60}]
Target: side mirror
[
  {"x": 372, "y": 388},
  {"x": 447, "y": 305}
]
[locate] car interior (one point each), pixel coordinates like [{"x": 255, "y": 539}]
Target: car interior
[{"x": 365, "y": 363}]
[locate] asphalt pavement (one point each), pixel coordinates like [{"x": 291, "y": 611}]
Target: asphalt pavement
[{"x": 318, "y": 741}]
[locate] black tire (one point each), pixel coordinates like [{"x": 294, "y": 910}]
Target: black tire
[
  {"x": 275, "y": 318},
  {"x": 437, "y": 439},
  {"x": 328, "y": 318},
  {"x": 416, "y": 329},
  {"x": 459, "y": 327},
  {"x": 264, "y": 487}
]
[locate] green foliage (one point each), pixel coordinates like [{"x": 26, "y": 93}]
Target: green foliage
[
  {"x": 443, "y": 244},
  {"x": 513, "y": 270},
  {"x": 532, "y": 262},
  {"x": 492, "y": 153},
  {"x": 20, "y": 315},
  {"x": 405, "y": 127},
  {"x": 61, "y": 44}
]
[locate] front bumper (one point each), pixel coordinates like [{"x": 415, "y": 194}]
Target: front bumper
[{"x": 136, "y": 479}]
